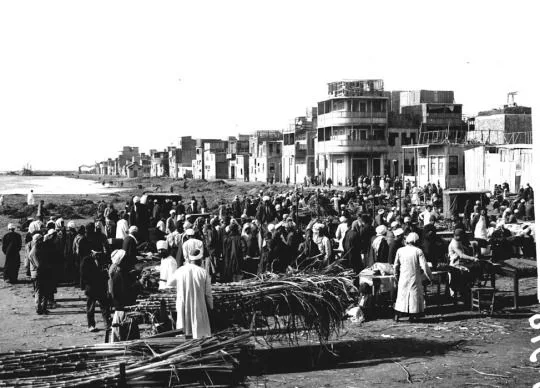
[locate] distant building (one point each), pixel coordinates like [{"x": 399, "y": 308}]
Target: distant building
[
  {"x": 198, "y": 164},
  {"x": 488, "y": 165},
  {"x": 133, "y": 170},
  {"x": 508, "y": 125},
  {"x": 298, "y": 160},
  {"x": 352, "y": 131},
  {"x": 265, "y": 149},
  {"x": 238, "y": 157},
  {"x": 160, "y": 164},
  {"x": 215, "y": 160}
]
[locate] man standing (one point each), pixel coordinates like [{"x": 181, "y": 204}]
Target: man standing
[
  {"x": 30, "y": 198},
  {"x": 11, "y": 245},
  {"x": 130, "y": 247},
  {"x": 194, "y": 296},
  {"x": 168, "y": 264},
  {"x": 94, "y": 282}
]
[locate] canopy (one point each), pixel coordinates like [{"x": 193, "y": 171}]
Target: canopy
[{"x": 454, "y": 201}]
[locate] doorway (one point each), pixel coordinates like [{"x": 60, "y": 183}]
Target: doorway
[
  {"x": 359, "y": 167},
  {"x": 232, "y": 172}
]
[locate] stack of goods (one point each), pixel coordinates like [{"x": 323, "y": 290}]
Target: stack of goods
[
  {"x": 312, "y": 303},
  {"x": 160, "y": 362},
  {"x": 522, "y": 266}
]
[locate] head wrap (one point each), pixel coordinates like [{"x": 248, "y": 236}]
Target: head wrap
[
  {"x": 133, "y": 229},
  {"x": 190, "y": 232},
  {"x": 71, "y": 225},
  {"x": 172, "y": 212},
  {"x": 271, "y": 227},
  {"x": 398, "y": 232},
  {"x": 380, "y": 211},
  {"x": 195, "y": 254},
  {"x": 342, "y": 219},
  {"x": 136, "y": 199},
  {"x": 381, "y": 230},
  {"x": 412, "y": 238},
  {"x": 36, "y": 237},
  {"x": 11, "y": 227}
]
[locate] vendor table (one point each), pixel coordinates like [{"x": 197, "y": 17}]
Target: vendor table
[{"x": 505, "y": 270}]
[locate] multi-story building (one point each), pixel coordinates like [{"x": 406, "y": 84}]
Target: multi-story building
[
  {"x": 198, "y": 163},
  {"x": 511, "y": 124},
  {"x": 298, "y": 160},
  {"x": 352, "y": 131},
  {"x": 238, "y": 157},
  {"x": 160, "y": 163},
  {"x": 265, "y": 156},
  {"x": 215, "y": 160},
  {"x": 146, "y": 165}
]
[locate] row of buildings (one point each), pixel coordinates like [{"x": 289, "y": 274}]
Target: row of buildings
[{"x": 359, "y": 129}]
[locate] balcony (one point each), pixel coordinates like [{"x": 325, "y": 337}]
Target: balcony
[
  {"x": 337, "y": 118},
  {"x": 344, "y": 146}
]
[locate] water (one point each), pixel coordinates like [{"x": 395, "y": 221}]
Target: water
[{"x": 12, "y": 184}]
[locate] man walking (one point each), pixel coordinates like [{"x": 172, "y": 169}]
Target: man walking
[{"x": 11, "y": 245}]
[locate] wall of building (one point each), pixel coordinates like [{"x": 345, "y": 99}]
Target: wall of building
[
  {"x": 488, "y": 166},
  {"x": 437, "y": 164}
]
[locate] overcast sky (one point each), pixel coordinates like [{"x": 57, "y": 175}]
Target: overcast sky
[{"x": 80, "y": 79}]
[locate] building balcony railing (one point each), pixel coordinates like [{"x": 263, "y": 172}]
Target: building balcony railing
[
  {"x": 499, "y": 137},
  {"x": 347, "y": 114}
]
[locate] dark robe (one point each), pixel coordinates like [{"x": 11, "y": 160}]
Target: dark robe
[
  {"x": 234, "y": 250},
  {"x": 393, "y": 246},
  {"x": 352, "y": 250},
  {"x": 11, "y": 245}
]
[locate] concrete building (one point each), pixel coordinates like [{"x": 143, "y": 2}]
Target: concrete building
[
  {"x": 298, "y": 160},
  {"x": 352, "y": 131},
  {"x": 510, "y": 125},
  {"x": 216, "y": 165},
  {"x": 160, "y": 164},
  {"x": 265, "y": 149},
  {"x": 133, "y": 170},
  {"x": 488, "y": 165},
  {"x": 146, "y": 165},
  {"x": 183, "y": 158},
  {"x": 236, "y": 148},
  {"x": 198, "y": 167}
]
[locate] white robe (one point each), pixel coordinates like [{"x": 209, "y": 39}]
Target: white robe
[
  {"x": 166, "y": 271},
  {"x": 122, "y": 229},
  {"x": 410, "y": 263},
  {"x": 193, "y": 298},
  {"x": 30, "y": 199}
]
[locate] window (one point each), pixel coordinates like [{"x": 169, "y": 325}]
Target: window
[
  {"x": 270, "y": 148},
  {"x": 278, "y": 148},
  {"x": 433, "y": 169},
  {"x": 392, "y": 139},
  {"x": 422, "y": 170},
  {"x": 441, "y": 166},
  {"x": 453, "y": 165}
]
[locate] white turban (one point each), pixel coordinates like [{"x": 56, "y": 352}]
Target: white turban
[
  {"x": 342, "y": 219},
  {"x": 162, "y": 245},
  {"x": 59, "y": 222},
  {"x": 412, "y": 238},
  {"x": 398, "y": 232},
  {"x": 133, "y": 229},
  {"x": 190, "y": 232},
  {"x": 381, "y": 230},
  {"x": 11, "y": 227},
  {"x": 271, "y": 227},
  {"x": 136, "y": 199},
  {"x": 71, "y": 225}
]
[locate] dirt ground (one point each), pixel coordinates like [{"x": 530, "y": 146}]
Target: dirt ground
[{"x": 450, "y": 347}]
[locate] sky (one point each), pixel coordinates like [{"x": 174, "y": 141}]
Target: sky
[{"x": 81, "y": 79}]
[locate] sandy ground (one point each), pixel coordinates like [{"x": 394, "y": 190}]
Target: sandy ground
[{"x": 450, "y": 347}]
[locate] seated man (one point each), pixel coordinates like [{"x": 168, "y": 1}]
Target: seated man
[{"x": 466, "y": 268}]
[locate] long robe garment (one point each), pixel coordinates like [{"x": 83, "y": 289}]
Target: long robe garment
[
  {"x": 193, "y": 298},
  {"x": 410, "y": 263}
]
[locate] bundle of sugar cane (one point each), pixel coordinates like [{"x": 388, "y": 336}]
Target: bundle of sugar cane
[
  {"x": 148, "y": 362},
  {"x": 309, "y": 302}
]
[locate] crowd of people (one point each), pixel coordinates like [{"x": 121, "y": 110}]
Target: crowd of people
[{"x": 377, "y": 221}]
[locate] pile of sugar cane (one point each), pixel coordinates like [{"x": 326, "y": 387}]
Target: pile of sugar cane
[
  {"x": 156, "y": 361},
  {"x": 299, "y": 302}
]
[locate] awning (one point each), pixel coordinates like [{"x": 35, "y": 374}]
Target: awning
[{"x": 415, "y": 146}]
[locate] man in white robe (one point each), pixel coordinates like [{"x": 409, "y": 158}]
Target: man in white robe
[
  {"x": 193, "y": 297},
  {"x": 30, "y": 198},
  {"x": 167, "y": 266},
  {"x": 412, "y": 270}
]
